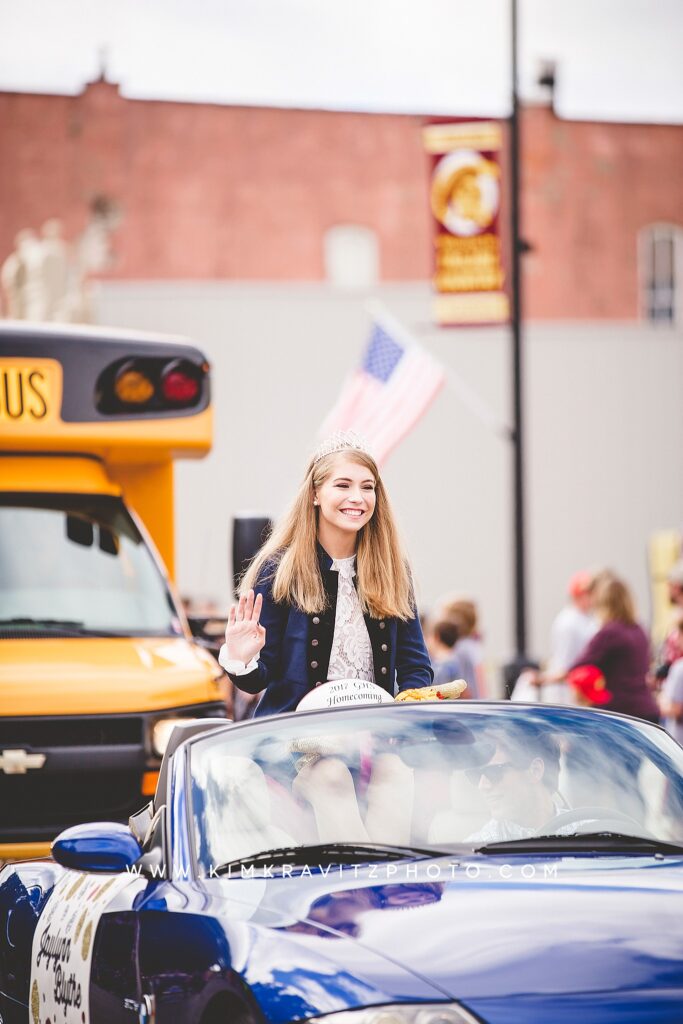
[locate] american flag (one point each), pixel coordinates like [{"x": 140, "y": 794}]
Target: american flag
[{"x": 388, "y": 393}]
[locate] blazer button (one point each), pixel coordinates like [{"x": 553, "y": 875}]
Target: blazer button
[
  {"x": 382, "y": 624},
  {"x": 384, "y": 670},
  {"x": 384, "y": 647},
  {"x": 314, "y": 664},
  {"x": 316, "y": 620}
]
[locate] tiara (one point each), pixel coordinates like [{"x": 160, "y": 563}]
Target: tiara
[{"x": 342, "y": 441}]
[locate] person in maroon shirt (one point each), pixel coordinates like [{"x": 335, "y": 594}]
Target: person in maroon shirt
[{"x": 621, "y": 650}]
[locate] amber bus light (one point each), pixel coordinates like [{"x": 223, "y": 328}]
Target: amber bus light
[{"x": 133, "y": 387}]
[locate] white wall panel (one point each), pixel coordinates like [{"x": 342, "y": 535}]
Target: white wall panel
[{"x": 604, "y": 425}]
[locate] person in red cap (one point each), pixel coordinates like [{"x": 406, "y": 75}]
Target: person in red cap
[{"x": 575, "y": 624}]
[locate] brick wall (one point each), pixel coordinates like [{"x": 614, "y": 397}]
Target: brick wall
[
  {"x": 589, "y": 188},
  {"x": 208, "y": 191}
]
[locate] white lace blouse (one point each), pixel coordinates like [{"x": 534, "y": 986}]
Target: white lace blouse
[{"x": 351, "y": 656}]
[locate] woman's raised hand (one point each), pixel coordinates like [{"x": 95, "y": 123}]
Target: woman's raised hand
[{"x": 244, "y": 636}]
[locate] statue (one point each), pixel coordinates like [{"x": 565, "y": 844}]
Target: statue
[
  {"x": 46, "y": 278},
  {"x": 18, "y": 276},
  {"x": 56, "y": 271}
]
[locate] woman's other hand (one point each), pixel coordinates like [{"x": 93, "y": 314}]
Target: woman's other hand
[{"x": 244, "y": 635}]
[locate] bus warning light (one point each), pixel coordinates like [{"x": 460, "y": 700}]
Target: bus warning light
[{"x": 133, "y": 387}]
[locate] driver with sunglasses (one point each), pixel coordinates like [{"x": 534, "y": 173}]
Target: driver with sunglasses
[{"x": 518, "y": 783}]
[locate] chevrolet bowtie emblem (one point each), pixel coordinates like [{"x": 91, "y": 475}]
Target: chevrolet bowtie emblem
[{"x": 18, "y": 762}]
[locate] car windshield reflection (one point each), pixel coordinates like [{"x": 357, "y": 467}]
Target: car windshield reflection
[{"x": 431, "y": 776}]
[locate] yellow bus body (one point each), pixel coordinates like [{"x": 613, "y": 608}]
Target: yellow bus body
[{"x": 58, "y": 692}]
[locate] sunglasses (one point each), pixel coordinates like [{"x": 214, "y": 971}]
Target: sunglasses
[{"x": 492, "y": 772}]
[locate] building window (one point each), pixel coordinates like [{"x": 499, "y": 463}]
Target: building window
[
  {"x": 351, "y": 256},
  {"x": 661, "y": 273}
]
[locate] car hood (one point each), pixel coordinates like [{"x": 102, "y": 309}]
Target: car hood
[
  {"x": 101, "y": 675},
  {"x": 501, "y": 935}
]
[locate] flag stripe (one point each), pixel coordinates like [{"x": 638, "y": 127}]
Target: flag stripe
[
  {"x": 387, "y": 395},
  {"x": 412, "y": 381},
  {"x": 408, "y": 405},
  {"x": 388, "y": 443}
]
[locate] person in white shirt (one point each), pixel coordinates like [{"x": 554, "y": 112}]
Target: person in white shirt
[
  {"x": 575, "y": 625},
  {"x": 571, "y": 630}
]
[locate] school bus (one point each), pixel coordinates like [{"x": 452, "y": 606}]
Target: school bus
[{"x": 96, "y": 656}]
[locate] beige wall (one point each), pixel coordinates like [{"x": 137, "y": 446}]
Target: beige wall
[{"x": 604, "y": 425}]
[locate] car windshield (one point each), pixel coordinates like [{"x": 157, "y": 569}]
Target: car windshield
[
  {"x": 432, "y": 776},
  {"x": 79, "y": 563}
]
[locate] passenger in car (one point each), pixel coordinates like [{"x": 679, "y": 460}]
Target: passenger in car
[
  {"x": 343, "y": 814},
  {"x": 518, "y": 783},
  {"x": 239, "y": 811}
]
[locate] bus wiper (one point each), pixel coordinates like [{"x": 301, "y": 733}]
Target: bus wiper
[
  {"x": 26, "y": 621},
  {"x": 597, "y": 842},
  {"x": 72, "y": 625},
  {"x": 321, "y": 854}
]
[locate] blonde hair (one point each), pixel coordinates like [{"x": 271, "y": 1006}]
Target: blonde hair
[
  {"x": 291, "y": 558},
  {"x": 463, "y": 612},
  {"x": 613, "y": 600}
]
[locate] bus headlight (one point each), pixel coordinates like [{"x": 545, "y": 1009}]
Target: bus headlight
[{"x": 161, "y": 733}]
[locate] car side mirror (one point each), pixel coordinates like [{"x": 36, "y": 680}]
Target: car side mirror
[{"x": 100, "y": 846}]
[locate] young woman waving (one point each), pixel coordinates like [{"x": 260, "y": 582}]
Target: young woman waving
[{"x": 329, "y": 595}]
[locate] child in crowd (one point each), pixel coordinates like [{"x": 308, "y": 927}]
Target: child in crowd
[
  {"x": 441, "y": 638},
  {"x": 469, "y": 647}
]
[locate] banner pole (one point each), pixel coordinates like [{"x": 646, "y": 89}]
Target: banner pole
[{"x": 516, "y": 323}]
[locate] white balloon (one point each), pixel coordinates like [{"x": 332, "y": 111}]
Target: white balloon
[{"x": 339, "y": 693}]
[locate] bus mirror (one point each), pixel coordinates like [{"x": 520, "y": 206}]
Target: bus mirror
[
  {"x": 80, "y": 531},
  {"x": 109, "y": 542}
]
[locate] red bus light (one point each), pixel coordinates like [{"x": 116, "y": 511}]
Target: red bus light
[{"x": 178, "y": 386}]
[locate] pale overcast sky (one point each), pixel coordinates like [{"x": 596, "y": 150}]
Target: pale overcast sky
[{"x": 617, "y": 59}]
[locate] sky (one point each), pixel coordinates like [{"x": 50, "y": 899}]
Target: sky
[{"x": 617, "y": 59}]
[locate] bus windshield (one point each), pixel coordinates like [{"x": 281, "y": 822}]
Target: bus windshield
[{"x": 78, "y": 565}]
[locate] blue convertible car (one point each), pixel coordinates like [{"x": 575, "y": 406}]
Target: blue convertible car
[{"x": 417, "y": 863}]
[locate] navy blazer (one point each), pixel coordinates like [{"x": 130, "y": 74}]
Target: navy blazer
[{"x": 296, "y": 655}]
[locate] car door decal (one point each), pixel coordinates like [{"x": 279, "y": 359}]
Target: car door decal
[{"x": 62, "y": 946}]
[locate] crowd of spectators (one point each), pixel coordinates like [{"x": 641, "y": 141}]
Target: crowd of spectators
[{"x": 599, "y": 655}]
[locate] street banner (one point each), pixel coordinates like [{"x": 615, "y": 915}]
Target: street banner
[{"x": 465, "y": 193}]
